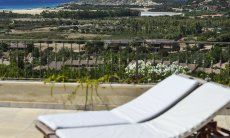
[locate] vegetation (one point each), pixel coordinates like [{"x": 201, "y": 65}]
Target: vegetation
[
  {"x": 207, "y": 29},
  {"x": 87, "y": 14},
  {"x": 222, "y": 78},
  {"x": 115, "y": 65},
  {"x": 76, "y": 21},
  {"x": 6, "y": 15},
  {"x": 114, "y": 22}
]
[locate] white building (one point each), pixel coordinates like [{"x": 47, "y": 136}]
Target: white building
[{"x": 160, "y": 14}]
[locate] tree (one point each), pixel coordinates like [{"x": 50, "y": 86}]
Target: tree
[
  {"x": 198, "y": 28},
  {"x": 46, "y": 55},
  {"x": 17, "y": 58},
  {"x": 224, "y": 37},
  {"x": 216, "y": 53},
  {"x": 1, "y": 53},
  {"x": 30, "y": 47},
  {"x": 36, "y": 53},
  {"x": 94, "y": 46},
  {"x": 64, "y": 53},
  {"x": 4, "y": 47}
]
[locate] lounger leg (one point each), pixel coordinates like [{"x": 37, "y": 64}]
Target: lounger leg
[
  {"x": 211, "y": 130},
  {"x": 47, "y": 132}
]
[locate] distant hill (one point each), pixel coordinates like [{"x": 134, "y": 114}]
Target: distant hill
[
  {"x": 214, "y": 5},
  {"x": 198, "y": 4},
  {"x": 130, "y": 2},
  {"x": 209, "y": 2},
  {"x": 171, "y": 1}
]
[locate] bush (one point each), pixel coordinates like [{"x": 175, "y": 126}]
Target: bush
[{"x": 150, "y": 73}]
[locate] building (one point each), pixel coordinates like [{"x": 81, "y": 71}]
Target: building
[
  {"x": 83, "y": 63},
  {"x": 211, "y": 15},
  {"x": 154, "y": 44},
  {"x": 73, "y": 64},
  {"x": 18, "y": 46},
  {"x": 115, "y": 45},
  {"x": 167, "y": 45},
  {"x": 153, "y": 14}
]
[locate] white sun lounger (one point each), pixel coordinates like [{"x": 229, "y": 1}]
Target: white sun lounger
[
  {"x": 149, "y": 105},
  {"x": 185, "y": 118}
]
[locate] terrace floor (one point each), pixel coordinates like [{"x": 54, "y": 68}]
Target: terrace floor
[{"x": 19, "y": 122}]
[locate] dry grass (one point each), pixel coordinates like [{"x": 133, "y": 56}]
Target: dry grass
[{"x": 86, "y": 36}]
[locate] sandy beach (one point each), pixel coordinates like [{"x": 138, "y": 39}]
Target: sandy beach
[{"x": 32, "y": 11}]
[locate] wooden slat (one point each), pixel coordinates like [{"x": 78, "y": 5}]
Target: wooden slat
[
  {"x": 53, "y": 136},
  {"x": 44, "y": 129},
  {"x": 201, "y": 81}
]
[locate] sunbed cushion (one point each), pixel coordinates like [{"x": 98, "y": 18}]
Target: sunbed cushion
[
  {"x": 183, "y": 119},
  {"x": 193, "y": 112},
  {"x": 148, "y": 105},
  {"x": 81, "y": 119},
  {"x": 157, "y": 99},
  {"x": 118, "y": 131}
]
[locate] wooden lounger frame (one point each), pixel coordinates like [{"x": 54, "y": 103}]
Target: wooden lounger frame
[
  {"x": 49, "y": 133},
  {"x": 46, "y": 131},
  {"x": 211, "y": 130}
]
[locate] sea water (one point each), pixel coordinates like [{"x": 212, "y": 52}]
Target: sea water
[{"x": 29, "y": 4}]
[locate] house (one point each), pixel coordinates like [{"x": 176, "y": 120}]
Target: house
[
  {"x": 83, "y": 63},
  {"x": 211, "y": 15},
  {"x": 74, "y": 64},
  {"x": 115, "y": 45},
  {"x": 117, "y": 42},
  {"x": 18, "y": 46},
  {"x": 221, "y": 65},
  {"x": 40, "y": 68},
  {"x": 162, "y": 44},
  {"x": 153, "y": 14},
  {"x": 56, "y": 65},
  {"x": 53, "y": 65},
  {"x": 154, "y": 44},
  {"x": 208, "y": 70}
]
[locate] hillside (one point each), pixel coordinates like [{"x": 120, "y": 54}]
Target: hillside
[
  {"x": 220, "y": 3},
  {"x": 120, "y": 2},
  {"x": 214, "y": 5}
]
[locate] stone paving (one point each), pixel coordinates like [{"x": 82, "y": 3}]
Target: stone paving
[
  {"x": 19, "y": 122},
  {"x": 223, "y": 119}
]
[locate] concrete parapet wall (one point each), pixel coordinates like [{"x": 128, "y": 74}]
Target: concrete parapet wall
[{"x": 37, "y": 94}]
